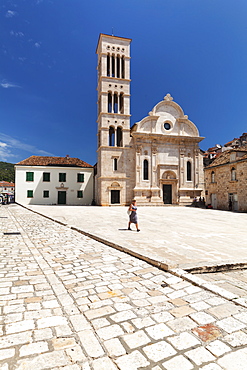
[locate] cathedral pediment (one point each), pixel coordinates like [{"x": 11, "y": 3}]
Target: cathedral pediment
[{"x": 167, "y": 118}]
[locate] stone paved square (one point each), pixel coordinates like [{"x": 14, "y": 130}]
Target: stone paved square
[{"x": 69, "y": 302}]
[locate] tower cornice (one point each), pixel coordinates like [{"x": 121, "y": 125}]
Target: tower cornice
[
  {"x": 113, "y": 115},
  {"x": 114, "y": 79},
  {"x": 110, "y": 37}
]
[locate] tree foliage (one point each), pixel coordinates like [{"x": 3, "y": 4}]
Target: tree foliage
[{"x": 7, "y": 172}]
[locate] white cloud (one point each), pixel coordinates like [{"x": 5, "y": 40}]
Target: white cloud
[
  {"x": 9, "y": 143},
  {"x": 5, "y": 153},
  {"x": 10, "y": 14},
  {"x": 3, "y": 145},
  {"x": 7, "y": 85},
  {"x": 37, "y": 45},
  {"x": 16, "y": 34}
]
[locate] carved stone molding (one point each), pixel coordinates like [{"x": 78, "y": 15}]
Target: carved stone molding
[
  {"x": 139, "y": 149},
  {"x": 168, "y": 97}
]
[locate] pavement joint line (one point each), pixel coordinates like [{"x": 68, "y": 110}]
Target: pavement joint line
[
  {"x": 52, "y": 278},
  {"x": 184, "y": 274},
  {"x": 214, "y": 267}
]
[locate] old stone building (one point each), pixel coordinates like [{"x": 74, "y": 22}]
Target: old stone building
[
  {"x": 226, "y": 181},
  {"x": 157, "y": 161}
]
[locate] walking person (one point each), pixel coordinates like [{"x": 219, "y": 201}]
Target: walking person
[{"x": 133, "y": 215}]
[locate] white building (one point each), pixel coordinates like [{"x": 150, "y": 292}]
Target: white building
[
  {"x": 54, "y": 180},
  {"x": 157, "y": 161}
]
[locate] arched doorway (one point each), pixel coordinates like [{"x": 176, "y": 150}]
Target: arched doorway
[{"x": 169, "y": 186}]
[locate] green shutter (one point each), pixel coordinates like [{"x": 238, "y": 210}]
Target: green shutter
[
  {"x": 62, "y": 177},
  {"x": 80, "y": 177},
  {"x": 29, "y": 176},
  {"x": 46, "y": 194},
  {"x": 79, "y": 194},
  {"x": 30, "y": 193},
  {"x": 46, "y": 176}
]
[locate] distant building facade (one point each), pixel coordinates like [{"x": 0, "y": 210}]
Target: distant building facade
[
  {"x": 157, "y": 161},
  {"x": 54, "y": 180},
  {"x": 226, "y": 180},
  {"x": 7, "y": 187}
]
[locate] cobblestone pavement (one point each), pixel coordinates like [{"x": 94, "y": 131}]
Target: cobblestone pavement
[
  {"x": 234, "y": 281},
  {"x": 68, "y": 302}
]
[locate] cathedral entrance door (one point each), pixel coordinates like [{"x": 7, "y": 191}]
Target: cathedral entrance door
[
  {"x": 115, "y": 196},
  {"x": 167, "y": 194}
]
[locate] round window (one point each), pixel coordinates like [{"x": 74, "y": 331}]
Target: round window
[{"x": 167, "y": 126}]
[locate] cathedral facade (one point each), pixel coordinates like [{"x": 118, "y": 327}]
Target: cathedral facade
[{"x": 157, "y": 161}]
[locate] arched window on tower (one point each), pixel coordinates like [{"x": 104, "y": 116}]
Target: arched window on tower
[
  {"x": 109, "y": 103},
  {"x": 111, "y": 136},
  {"x": 115, "y": 103},
  {"x": 123, "y": 68},
  {"x": 108, "y": 65},
  {"x": 121, "y": 103},
  {"x": 118, "y": 66},
  {"x": 113, "y": 65},
  {"x": 145, "y": 169},
  {"x": 119, "y": 137},
  {"x": 189, "y": 177}
]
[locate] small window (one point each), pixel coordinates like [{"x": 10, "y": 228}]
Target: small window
[
  {"x": 29, "y": 176},
  {"x": 115, "y": 107},
  {"x": 121, "y": 103},
  {"x": 145, "y": 169},
  {"x": 30, "y": 193},
  {"x": 123, "y": 66},
  {"x": 119, "y": 137},
  {"x": 46, "y": 194},
  {"x": 80, "y": 177},
  {"x": 111, "y": 136},
  {"x": 233, "y": 174},
  {"x": 62, "y": 177},
  {"x": 118, "y": 66},
  {"x": 115, "y": 164},
  {"x": 167, "y": 126},
  {"x": 46, "y": 176},
  {"x": 212, "y": 176},
  {"x": 79, "y": 193},
  {"x": 113, "y": 65},
  {"x": 189, "y": 177},
  {"x": 109, "y": 102},
  {"x": 108, "y": 65}
]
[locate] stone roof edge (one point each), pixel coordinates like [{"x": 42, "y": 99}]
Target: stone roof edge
[{"x": 211, "y": 165}]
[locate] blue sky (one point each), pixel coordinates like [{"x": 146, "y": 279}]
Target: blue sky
[{"x": 196, "y": 50}]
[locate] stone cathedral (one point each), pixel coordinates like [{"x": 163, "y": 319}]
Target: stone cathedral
[{"x": 157, "y": 161}]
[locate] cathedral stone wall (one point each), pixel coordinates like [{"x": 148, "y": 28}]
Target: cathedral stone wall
[{"x": 157, "y": 161}]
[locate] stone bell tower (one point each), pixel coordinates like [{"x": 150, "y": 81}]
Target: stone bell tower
[{"x": 112, "y": 180}]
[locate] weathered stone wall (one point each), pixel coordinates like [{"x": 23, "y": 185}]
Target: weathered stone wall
[{"x": 223, "y": 185}]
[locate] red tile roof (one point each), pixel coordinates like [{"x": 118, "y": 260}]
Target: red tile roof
[
  {"x": 6, "y": 183},
  {"x": 53, "y": 161}
]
